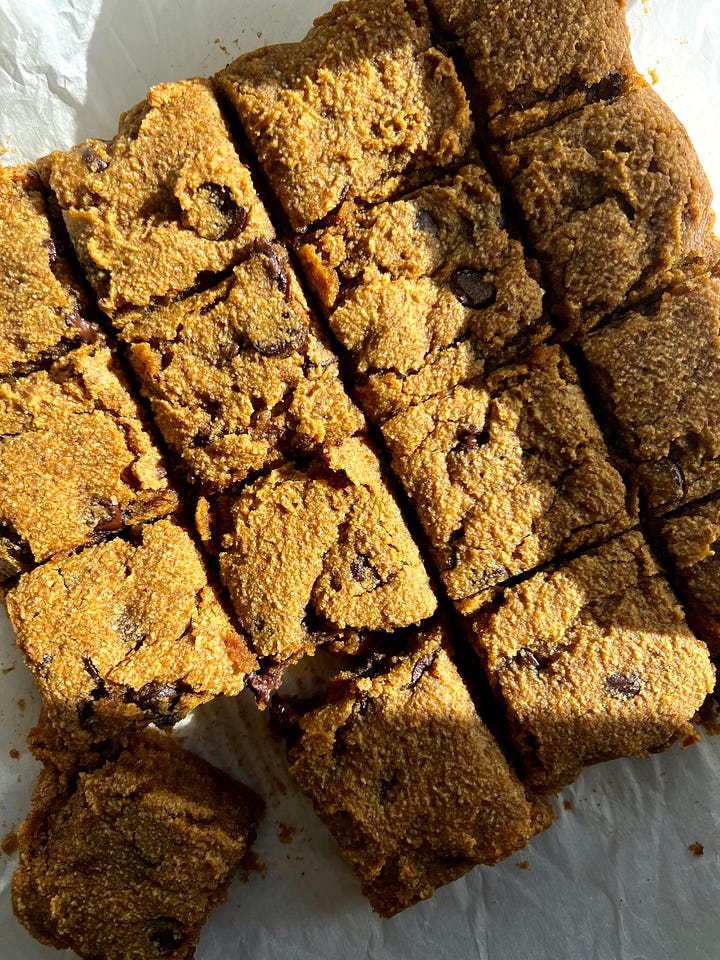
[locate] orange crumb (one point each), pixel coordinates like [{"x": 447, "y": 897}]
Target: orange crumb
[
  {"x": 697, "y": 849},
  {"x": 524, "y": 865},
  {"x": 15, "y": 754},
  {"x": 9, "y": 843}
]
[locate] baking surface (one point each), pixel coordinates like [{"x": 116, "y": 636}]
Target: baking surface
[{"x": 614, "y": 877}]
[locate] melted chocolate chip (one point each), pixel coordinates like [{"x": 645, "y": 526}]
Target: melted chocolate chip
[
  {"x": 157, "y": 700},
  {"x": 88, "y": 332},
  {"x": 276, "y": 270},
  {"x": 471, "y": 288},
  {"x": 625, "y": 686},
  {"x": 234, "y": 216},
  {"x": 166, "y": 934},
  {"x": 293, "y": 341},
  {"x": 93, "y": 160},
  {"x": 264, "y": 684},
  {"x": 426, "y": 223},
  {"x": 16, "y": 547},
  {"x": 420, "y": 668},
  {"x": 114, "y": 521},
  {"x": 610, "y": 87}
]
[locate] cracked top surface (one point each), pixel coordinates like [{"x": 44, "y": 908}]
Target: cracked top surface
[
  {"x": 308, "y": 554},
  {"x": 615, "y": 183},
  {"x": 42, "y": 306},
  {"x": 164, "y": 202},
  {"x": 593, "y": 660},
  {"x": 76, "y": 460},
  {"x": 361, "y": 102},
  {"x": 125, "y": 862},
  {"x": 426, "y": 283},
  {"x": 507, "y": 472},
  {"x": 126, "y": 633},
  {"x": 409, "y": 780},
  {"x": 657, "y": 372},
  {"x": 240, "y": 377}
]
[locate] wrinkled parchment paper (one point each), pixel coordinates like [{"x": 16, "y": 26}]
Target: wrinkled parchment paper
[{"x": 614, "y": 879}]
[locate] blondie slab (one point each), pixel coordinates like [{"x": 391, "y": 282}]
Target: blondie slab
[
  {"x": 76, "y": 460},
  {"x": 125, "y": 862},
  {"x": 425, "y": 291},
  {"x": 43, "y": 309},
  {"x": 321, "y": 547},
  {"x": 240, "y": 377},
  {"x": 408, "y": 778},
  {"x": 507, "y": 473},
  {"x": 165, "y": 202},
  {"x": 592, "y": 660},
  {"x": 363, "y": 102},
  {"x": 616, "y": 202},
  {"x": 536, "y": 62},
  {"x": 126, "y": 633},
  {"x": 691, "y": 538},
  {"x": 657, "y": 372}
]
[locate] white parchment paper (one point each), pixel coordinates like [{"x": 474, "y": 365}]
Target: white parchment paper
[{"x": 614, "y": 878}]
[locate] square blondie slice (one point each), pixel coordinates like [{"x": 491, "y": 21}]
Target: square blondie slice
[
  {"x": 507, "y": 472},
  {"x": 308, "y": 553},
  {"x": 411, "y": 783},
  {"x": 536, "y": 62},
  {"x": 165, "y": 202},
  {"x": 76, "y": 460},
  {"x": 656, "y": 371},
  {"x": 425, "y": 291},
  {"x": 126, "y": 861},
  {"x": 44, "y": 310},
  {"x": 592, "y": 660},
  {"x": 127, "y": 633},
  {"x": 361, "y": 103},
  {"x": 616, "y": 202},
  {"x": 240, "y": 377},
  {"x": 691, "y": 538}
]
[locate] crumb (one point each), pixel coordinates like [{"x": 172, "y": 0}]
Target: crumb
[
  {"x": 14, "y": 754},
  {"x": 9, "y": 843},
  {"x": 286, "y": 833},
  {"x": 7, "y": 670},
  {"x": 259, "y": 34},
  {"x": 652, "y": 73},
  {"x": 21, "y": 705},
  {"x": 697, "y": 849},
  {"x": 567, "y": 804},
  {"x": 523, "y": 864}
]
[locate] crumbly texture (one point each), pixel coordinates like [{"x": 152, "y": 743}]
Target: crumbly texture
[
  {"x": 615, "y": 184},
  {"x": 126, "y": 633},
  {"x": 240, "y": 377},
  {"x": 76, "y": 460},
  {"x": 692, "y": 540},
  {"x": 593, "y": 660},
  {"x": 43, "y": 308},
  {"x": 507, "y": 473},
  {"x": 362, "y": 102},
  {"x": 409, "y": 780},
  {"x": 164, "y": 202},
  {"x": 307, "y": 554},
  {"x": 530, "y": 66},
  {"x": 425, "y": 291},
  {"x": 657, "y": 374},
  {"x": 125, "y": 862}
]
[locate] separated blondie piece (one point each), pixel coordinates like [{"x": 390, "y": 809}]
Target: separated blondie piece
[
  {"x": 127, "y": 861},
  {"x": 426, "y": 291},
  {"x": 353, "y": 110},
  {"x": 309, "y": 553},
  {"x": 44, "y": 311},
  {"x": 507, "y": 473},
  {"x": 593, "y": 660},
  {"x": 536, "y": 62},
  {"x": 126, "y": 633},
  {"x": 165, "y": 202},
  {"x": 240, "y": 378},
  {"x": 657, "y": 373},
  {"x": 691, "y": 540},
  {"x": 408, "y": 778},
  {"x": 616, "y": 201},
  {"x": 76, "y": 460}
]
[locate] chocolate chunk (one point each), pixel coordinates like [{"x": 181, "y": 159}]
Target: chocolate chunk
[
  {"x": 527, "y": 656},
  {"x": 114, "y": 521},
  {"x": 166, "y": 934},
  {"x": 609, "y": 88},
  {"x": 157, "y": 700},
  {"x": 626, "y": 686},
  {"x": 49, "y": 245},
  {"x": 264, "y": 684},
  {"x": 361, "y": 569},
  {"x": 471, "y": 438},
  {"x": 89, "y": 333},
  {"x": 234, "y": 216},
  {"x": 93, "y": 160},
  {"x": 275, "y": 268},
  {"x": 426, "y": 223},
  {"x": 472, "y": 289},
  {"x": 420, "y": 668},
  {"x": 16, "y": 547}
]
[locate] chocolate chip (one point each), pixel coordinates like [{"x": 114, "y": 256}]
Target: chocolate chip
[
  {"x": 115, "y": 518},
  {"x": 471, "y": 288},
  {"x": 158, "y": 700},
  {"x": 85, "y": 711},
  {"x": 426, "y": 223},
  {"x": 264, "y": 684},
  {"x": 386, "y": 786},
  {"x": 361, "y": 569},
  {"x": 89, "y": 333},
  {"x": 472, "y": 438},
  {"x": 525, "y": 655},
  {"x": 16, "y": 547},
  {"x": 234, "y": 216},
  {"x": 161, "y": 472},
  {"x": 610, "y": 87},
  {"x": 625, "y": 686},
  {"x": 202, "y": 437},
  {"x": 420, "y": 668},
  {"x": 91, "y": 668},
  {"x": 276, "y": 270},
  {"x": 293, "y": 341},
  {"x": 49, "y": 245},
  {"x": 44, "y": 665},
  {"x": 166, "y": 934},
  {"x": 93, "y": 160}
]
